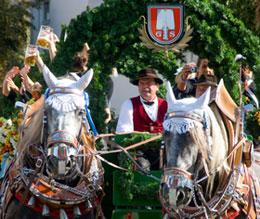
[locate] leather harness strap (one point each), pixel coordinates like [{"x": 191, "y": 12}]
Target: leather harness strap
[
  {"x": 121, "y": 149},
  {"x": 98, "y": 153},
  {"x": 62, "y": 136}
]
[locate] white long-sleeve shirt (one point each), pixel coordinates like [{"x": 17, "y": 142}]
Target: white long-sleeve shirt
[{"x": 125, "y": 122}]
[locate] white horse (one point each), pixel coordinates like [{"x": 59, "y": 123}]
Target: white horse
[
  {"x": 50, "y": 176},
  {"x": 201, "y": 177}
]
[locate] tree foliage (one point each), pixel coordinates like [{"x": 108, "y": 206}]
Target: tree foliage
[
  {"x": 250, "y": 12},
  {"x": 15, "y": 23}
]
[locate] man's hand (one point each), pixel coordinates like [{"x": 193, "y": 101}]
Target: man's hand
[
  {"x": 39, "y": 61},
  {"x": 24, "y": 71},
  {"x": 186, "y": 71},
  {"x": 13, "y": 72},
  {"x": 11, "y": 85},
  {"x": 52, "y": 40},
  {"x": 108, "y": 119}
]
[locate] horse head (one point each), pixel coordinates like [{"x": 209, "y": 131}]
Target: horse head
[
  {"x": 193, "y": 147},
  {"x": 64, "y": 110}
]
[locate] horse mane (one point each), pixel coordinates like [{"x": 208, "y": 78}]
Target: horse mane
[
  {"x": 30, "y": 133},
  {"x": 219, "y": 148}
]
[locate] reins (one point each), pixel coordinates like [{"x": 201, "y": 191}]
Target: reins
[
  {"x": 103, "y": 136},
  {"x": 121, "y": 149},
  {"x": 235, "y": 147}
]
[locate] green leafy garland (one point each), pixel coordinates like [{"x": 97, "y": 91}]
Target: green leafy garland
[{"x": 129, "y": 188}]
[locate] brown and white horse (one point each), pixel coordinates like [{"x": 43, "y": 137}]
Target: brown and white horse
[
  {"x": 203, "y": 175},
  {"x": 54, "y": 174}
]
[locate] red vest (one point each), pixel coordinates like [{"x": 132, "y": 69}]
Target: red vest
[{"x": 142, "y": 121}]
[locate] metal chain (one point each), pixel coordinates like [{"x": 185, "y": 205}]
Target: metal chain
[{"x": 72, "y": 190}]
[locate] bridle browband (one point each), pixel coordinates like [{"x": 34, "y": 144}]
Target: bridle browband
[
  {"x": 65, "y": 90},
  {"x": 188, "y": 115}
]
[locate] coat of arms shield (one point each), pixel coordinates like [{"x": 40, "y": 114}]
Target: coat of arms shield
[{"x": 165, "y": 23}]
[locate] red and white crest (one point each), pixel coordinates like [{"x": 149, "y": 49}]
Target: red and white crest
[{"x": 165, "y": 23}]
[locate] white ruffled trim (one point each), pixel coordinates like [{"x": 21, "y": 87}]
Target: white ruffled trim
[
  {"x": 181, "y": 125},
  {"x": 64, "y": 103}
]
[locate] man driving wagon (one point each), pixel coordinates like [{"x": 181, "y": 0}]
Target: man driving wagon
[{"x": 144, "y": 113}]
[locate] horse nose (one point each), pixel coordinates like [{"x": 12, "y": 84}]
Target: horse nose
[
  {"x": 183, "y": 197},
  {"x": 175, "y": 197},
  {"x": 180, "y": 196}
]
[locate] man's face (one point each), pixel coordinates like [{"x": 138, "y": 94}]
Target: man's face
[
  {"x": 148, "y": 88},
  {"x": 200, "y": 89},
  {"x": 204, "y": 69}
]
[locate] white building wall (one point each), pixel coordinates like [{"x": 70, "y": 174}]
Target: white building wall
[
  {"x": 123, "y": 90},
  {"x": 60, "y": 12}
]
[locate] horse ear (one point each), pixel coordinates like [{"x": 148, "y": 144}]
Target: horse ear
[
  {"x": 49, "y": 77},
  {"x": 203, "y": 100},
  {"x": 221, "y": 83},
  {"x": 84, "y": 81},
  {"x": 170, "y": 95}
]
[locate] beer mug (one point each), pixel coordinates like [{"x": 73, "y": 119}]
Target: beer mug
[
  {"x": 30, "y": 55},
  {"x": 43, "y": 36}
]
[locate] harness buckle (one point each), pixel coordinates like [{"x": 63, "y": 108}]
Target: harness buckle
[
  {"x": 91, "y": 188},
  {"x": 38, "y": 163}
]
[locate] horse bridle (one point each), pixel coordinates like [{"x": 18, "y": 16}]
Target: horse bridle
[
  {"x": 61, "y": 136},
  {"x": 200, "y": 119},
  {"x": 179, "y": 177}
]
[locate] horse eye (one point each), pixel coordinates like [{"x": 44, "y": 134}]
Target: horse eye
[{"x": 81, "y": 112}]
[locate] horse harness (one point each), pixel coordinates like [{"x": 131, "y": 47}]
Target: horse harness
[
  {"x": 233, "y": 196},
  {"x": 48, "y": 196}
]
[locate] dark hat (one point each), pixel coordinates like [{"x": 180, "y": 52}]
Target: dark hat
[
  {"x": 148, "y": 73},
  {"x": 210, "y": 80}
]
